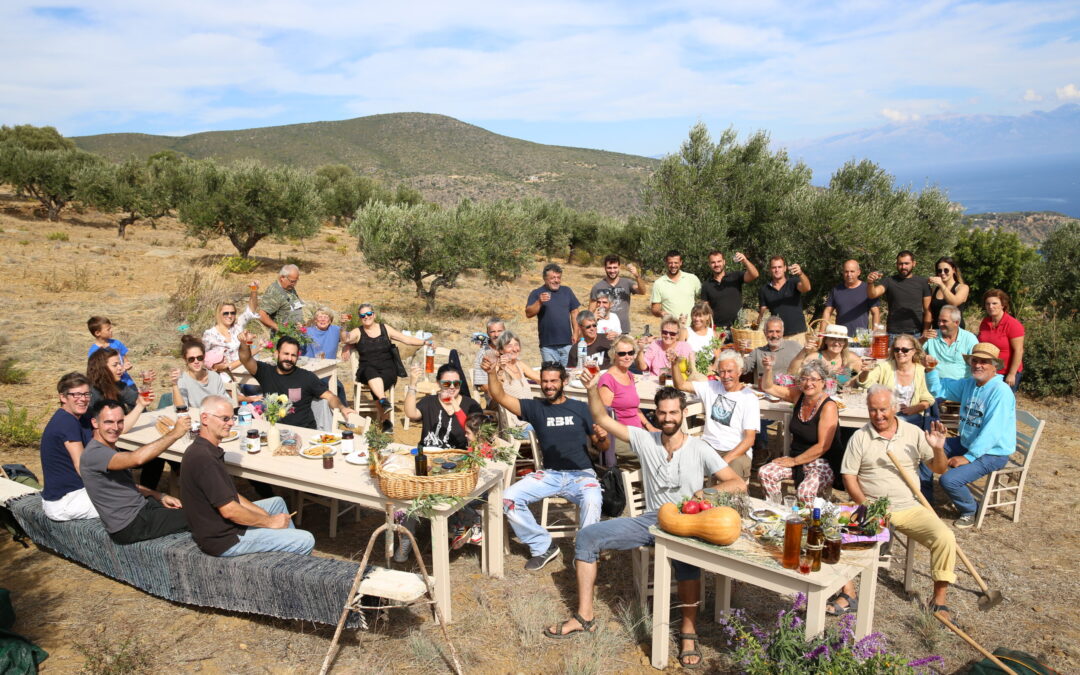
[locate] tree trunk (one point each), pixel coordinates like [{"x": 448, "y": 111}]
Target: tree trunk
[
  {"x": 122, "y": 224},
  {"x": 244, "y": 244},
  {"x": 52, "y": 207}
]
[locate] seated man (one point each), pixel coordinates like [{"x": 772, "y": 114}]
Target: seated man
[
  {"x": 485, "y": 342},
  {"x": 673, "y": 466},
  {"x": 223, "y": 522},
  {"x": 949, "y": 343},
  {"x": 732, "y": 411},
  {"x": 595, "y": 342},
  {"x": 301, "y": 386},
  {"x": 62, "y": 444},
  {"x": 987, "y": 428},
  {"x": 126, "y": 509},
  {"x": 869, "y": 474},
  {"x": 564, "y": 429}
]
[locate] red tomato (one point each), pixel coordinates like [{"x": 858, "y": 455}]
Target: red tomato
[
  {"x": 705, "y": 506},
  {"x": 691, "y": 507}
]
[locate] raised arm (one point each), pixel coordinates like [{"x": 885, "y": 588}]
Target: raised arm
[
  {"x": 873, "y": 289},
  {"x": 246, "y": 359},
  {"x": 678, "y": 379},
  {"x": 495, "y": 387},
  {"x": 411, "y": 411},
  {"x": 750, "y": 273},
  {"x": 130, "y": 460},
  {"x": 404, "y": 339},
  {"x": 639, "y": 283},
  {"x": 599, "y": 410},
  {"x": 789, "y": 394}
]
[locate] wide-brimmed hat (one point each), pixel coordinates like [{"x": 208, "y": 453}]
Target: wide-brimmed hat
[
  {"x": 835, "y": 330},
  {"x": 985, "y": 350},
  {"x": 213, "y": 357}
]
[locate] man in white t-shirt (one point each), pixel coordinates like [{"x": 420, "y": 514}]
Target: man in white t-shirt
[
  {"x": 673, "y": 466},
  {"x": 732, "y": 411}
]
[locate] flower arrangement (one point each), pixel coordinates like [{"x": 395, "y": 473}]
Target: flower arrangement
[
  {"x": 784, "y": 649},
  {"x": 296, "y": 331},
  {"x": 274, "y": 407}
]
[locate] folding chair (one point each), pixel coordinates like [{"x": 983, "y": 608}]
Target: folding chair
[{"x": 368, "y": 406}]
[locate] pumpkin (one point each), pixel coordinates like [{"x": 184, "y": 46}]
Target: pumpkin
[{"x": 720, "y": 525}]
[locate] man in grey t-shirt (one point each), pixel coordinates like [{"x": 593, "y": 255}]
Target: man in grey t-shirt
[
  {"x": 783, "y": 351},
  {"x": 619, "y": 289},
  {"x": 673, "y": 466},
  {"x": 128, "y": 511}
]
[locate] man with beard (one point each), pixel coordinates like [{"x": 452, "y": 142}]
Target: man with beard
[
  {"x": 62, "y": 444},
  {"x": 723, "y": 291},
  {"x": 301, "y": 386},
  {"x": 564, "y": 429},
  {"x": 782, "y": 351},
  {"x": 673, "y": 294},
  {"x": 907, "y": 295},
  {"x": 732, "y": 412},
  {"x": 673, "y": 466},
  {"x": 619, "y": 289}
]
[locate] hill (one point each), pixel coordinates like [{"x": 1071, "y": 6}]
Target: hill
[
  {"x": 444, "y": 158},
  {"x": 1032, "y": 226}
]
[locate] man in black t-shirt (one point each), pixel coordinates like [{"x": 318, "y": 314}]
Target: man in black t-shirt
[
  {"x": 564, "y": 428},
  {"x": 301, "y": 386},
  {"x": 908, "y": 297},
  {"x": 723, "y": 291},
  {"x": 782, "y": 296}
]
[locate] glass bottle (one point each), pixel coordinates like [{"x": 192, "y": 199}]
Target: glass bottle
[{"x": 793, "y": 527}]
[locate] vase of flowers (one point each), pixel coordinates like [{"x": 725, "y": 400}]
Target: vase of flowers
[
  {"x": 275, "y": 408},
  {"x": 296, "y": 331}
]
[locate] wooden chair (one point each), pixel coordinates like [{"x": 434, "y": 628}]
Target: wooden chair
[
  {"x": 563, "y": 520},
  {"x": 367, "y": 406},
  {"x": 1005, "y": 487}
]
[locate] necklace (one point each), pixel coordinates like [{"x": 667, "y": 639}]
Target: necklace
[{"x": 814, "y": 403}]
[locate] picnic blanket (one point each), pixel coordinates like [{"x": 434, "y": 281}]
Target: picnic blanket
[{"x": 282, "y": 585}]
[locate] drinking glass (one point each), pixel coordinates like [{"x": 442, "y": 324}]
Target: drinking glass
[{"x": 789, "y": 503}]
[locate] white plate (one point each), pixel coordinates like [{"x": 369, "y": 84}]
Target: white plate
[
  {"x": 358, "y": 458},
  {"x": 332, "y": 452},
  {"x": 314, "y": 440},
  {"x": 761, "y": 518},
  {"x": 231, "y": 437}
]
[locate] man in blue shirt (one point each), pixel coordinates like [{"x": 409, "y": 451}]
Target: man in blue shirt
[
  {"x": 949, "y": 343},
  {"x": 987, "y": 428},
  {"x": 62, "y": 444},
  {"x": 564, "y": 429},
  {"x": 849, "y": 302},
  {"x": 557, "y": 308}
]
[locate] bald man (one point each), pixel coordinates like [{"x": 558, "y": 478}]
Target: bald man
[{"x": 848, "y": 304}]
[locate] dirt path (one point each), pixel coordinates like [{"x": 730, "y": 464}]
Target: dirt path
[{"x": 55, "y": 284}]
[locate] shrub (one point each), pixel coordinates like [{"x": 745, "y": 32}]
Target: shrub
[
  {"x": 17, "y": 428},
  {"x": 1052, "y": 354},
  {"x": 10, "y": 373},
  {"x": 331, "y": 239},
  {"x": 128, "y": 657},
  {"x": 234, "y": 264},
  {"x": 196, "y": 297},
  {"x": 57, "y": 236}
]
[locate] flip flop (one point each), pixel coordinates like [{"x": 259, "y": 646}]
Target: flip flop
[
  {"x": 690, "y": 652},
  {"x": 587, "y": 627},
  {"x": 833, "y": 609}
]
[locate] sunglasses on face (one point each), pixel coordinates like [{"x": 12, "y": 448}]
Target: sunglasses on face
[
  {"x": 193, "y": 359},
  {"x": 450, "y": 384},
  {"x": 366, "y": 315},
  {"x": 669, "y": 333},
  {"x": 943, "y": 270},
  {"x": 902, "y": 350},
  {"x": 228, "y": 314},
  {"x": 588, "y": 326},
  {"x": 629, "y": 353}
]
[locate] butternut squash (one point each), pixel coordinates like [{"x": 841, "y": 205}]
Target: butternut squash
[{"x": 720, "y": 525}]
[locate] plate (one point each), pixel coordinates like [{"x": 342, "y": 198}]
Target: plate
[
  {"x": 325, "y": 439},
  {"x": 317, "y": 451},
  {"x": 358, "y": 458},
  {"x": 231, "y": 437},
  {"x": 765, "y": 515}
]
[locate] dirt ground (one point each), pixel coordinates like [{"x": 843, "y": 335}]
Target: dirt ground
[{"x": 54, "y": 283}]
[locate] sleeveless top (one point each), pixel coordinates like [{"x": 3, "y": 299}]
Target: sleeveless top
[
  {"x": 937, "y": 303},
  {"x": 805, "y": 434},
  {"x": 374, "y": 352}
]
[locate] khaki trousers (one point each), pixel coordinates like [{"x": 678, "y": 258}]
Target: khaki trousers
[
  {"x": 923, "y": 525},
  {"x": 740, "y": 464}
]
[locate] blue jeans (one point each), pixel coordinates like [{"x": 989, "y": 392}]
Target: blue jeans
[
  {"x": 263, "y": 539},
  {"x": 955, "y": 481},
  {"x": 340, "y": 388},
  {"x": 580, "y": 487},
  {"x": 622, "y": 534},
  {"x": 556, "y": 353}
]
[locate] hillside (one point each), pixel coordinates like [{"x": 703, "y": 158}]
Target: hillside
[
  {"x": 444, "y": 158},
  {"x": 1032, "y": 226}
]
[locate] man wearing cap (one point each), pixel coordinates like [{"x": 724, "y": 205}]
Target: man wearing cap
[
  {"x": 987, "y": 428},
  {"x": 849, "y": 303}
]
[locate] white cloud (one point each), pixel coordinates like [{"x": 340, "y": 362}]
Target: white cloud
[
  {"x": 1068, "y": 92},
  {"x": 1030, "y": 95},
  {"x": 898, "y": 116}
]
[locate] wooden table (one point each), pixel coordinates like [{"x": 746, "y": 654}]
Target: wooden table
[
  {"x": 351, "y": 483},
  {"x": 646, "y": 386},
  {"x": 750, "y": 562},
  {"x": 321, "y": 367}
]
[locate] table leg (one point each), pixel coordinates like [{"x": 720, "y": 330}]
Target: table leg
[
  {"x": 332, "y": 384},
  {"x": 723, "y": 596},
  {"x": 494, "y": 531},
  {"x": 440, "y": 562},
  {"x": 661, "y": 634},
  {"x": 864, "y": 619},
  {"x": 815, "y": 612}
]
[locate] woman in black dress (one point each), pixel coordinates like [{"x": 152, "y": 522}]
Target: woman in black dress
[{"x": 948, "y": 289}]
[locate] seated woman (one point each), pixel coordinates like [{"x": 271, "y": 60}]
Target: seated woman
[
  {"x": 833, "y": 353},
  {"x": 700, "y": 333},
  {"x": 191, "y": 385},
  {"x": 377, "y": 370},
  {"x": 619, "y": 393},
  {"x": 903, "y": 372},
  {"x": 224, "y": 335},
  {"x": 662, "y": 354},
  {"x": 815, "y": 446},
  {"x": 514, "y": 374},
  {"x": 325, "y": 340},
  {"x": 105, "y": 370}
]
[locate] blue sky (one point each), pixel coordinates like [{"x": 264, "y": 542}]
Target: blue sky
[{"x": 625, "y": 76}]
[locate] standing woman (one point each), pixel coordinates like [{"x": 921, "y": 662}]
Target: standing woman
[
  {"x": 617, "y": 391},
  {"x": 1005, "y": 332},
  {"x": 948, "y": 289},
  {"x": 224, "y": 334},
  {"x": 904, "y": 373},
  {"x": 377, "y": 370}
]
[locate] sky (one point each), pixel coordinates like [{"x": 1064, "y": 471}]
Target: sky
[{"x": 626, "y": 76}]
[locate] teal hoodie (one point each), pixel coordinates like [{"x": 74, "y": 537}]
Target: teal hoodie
[{"x": 987, "y": 413}]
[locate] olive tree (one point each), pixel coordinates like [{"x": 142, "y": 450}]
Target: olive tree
[
  {"x": 995, "y": 259},
  {"x": 343, "y": 192},
  {"x": 35, "y": 138},
  {"x": 49, "y": 176},
  {"x": 1061, "y": 267},
  {"x": 248, "y": 202},
  {"x": 134, "y": 188}
]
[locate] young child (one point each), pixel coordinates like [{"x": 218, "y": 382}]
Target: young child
[{"x": 102, "y": 330}]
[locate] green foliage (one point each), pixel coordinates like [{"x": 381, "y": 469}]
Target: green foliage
[
  {"x": 995, "y": 259},
  {"x": 10, "y": 372},
  {"x": 57, "y": 236},
  {"x": 247, "y": 202},
  {"x": 35, "y": 138},
  {"x": 196, "y": 298},
  {"x": 1052, "y": 354},
  {"x": 47, "y": 175},
  {"x": 343, "y": 192},
  {"x": 331, "y": 239},
  {"x": 17, "y": 428},
  {"x": 1061, "y": 268},
  {"x": 138, "y": 190},
  {"x": 234, "y": 264}
]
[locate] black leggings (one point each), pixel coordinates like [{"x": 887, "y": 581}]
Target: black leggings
[{"x": 153, "y": 521}]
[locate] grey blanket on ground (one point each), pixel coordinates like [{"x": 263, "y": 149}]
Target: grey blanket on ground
[{"x": 282, "y": 585}]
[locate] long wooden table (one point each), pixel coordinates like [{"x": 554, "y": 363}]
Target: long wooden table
[
  {"x": 854, "y": 414},
  {"x": 321, "y": 367},
  {"x": 350, "y": 483}
]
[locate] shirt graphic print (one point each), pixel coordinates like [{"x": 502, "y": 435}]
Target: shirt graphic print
[{"x": 722, "y": 410}]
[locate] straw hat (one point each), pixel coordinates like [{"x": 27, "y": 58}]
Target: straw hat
[
  {"x": 985, "y": 350},
  {"x": 835, "y": 330}
]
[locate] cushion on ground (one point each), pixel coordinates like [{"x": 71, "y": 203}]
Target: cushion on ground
[{"x": 282, "y": 585}]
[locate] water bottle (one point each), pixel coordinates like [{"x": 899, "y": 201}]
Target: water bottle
[
  {"x": 245, "y": 417},
  {"x": 582, "y": 352}
]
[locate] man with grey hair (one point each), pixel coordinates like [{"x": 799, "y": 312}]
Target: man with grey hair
[
  {"x": 732, "y": 411},
  {"x": 869, "y": 473},
  {"x": 949, "y": 343},
  {"x": 492, "y": 330},
  {"x": 280, "y": 303},
  {"x": 556, "y": 308},
  {"x": 595, "y": 341},
  {"x": 782, "y": 351}
]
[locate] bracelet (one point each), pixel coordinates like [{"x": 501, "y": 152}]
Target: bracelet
[{"x": 410, "y": 389}]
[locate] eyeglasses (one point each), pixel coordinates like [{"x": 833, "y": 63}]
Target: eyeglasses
[
  {"x": 228, "y": 314},
  {"x": 449, "y": 384},
  {"x": 227, "y": 419},
  {"x": 366, "y": 315},
  {"x": 943, "y": 270},
  {"x": 805, "y": 380},
  {"x": 669, "y": 333},
  {"x": 903, "y": 350},
  {"x": 77, "y": 394},
  {"x": 629, "y": 353},
  {"x": 193, "y": 359}
]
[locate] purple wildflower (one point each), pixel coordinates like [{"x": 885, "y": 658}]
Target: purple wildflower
[
  {"x": 872, "y": 644},
  {"x": 847, "y": 629},
  {"x": 800, "y": 602},
  {"x": 926, "y": 661},
  {"x": 796, "y": 622},
  {"x": 821, "y": 651}
]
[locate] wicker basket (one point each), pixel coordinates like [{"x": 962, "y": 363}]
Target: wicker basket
[
  {"x": 814, "y": 329},
  {"x": 755, "y": 338},
  {"x": 408, "y": 486}
]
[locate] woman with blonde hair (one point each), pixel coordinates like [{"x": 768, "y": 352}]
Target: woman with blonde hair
[
  {"x": 832, "y": 352},
  {"x": 903, "y": 372},
  {"x": 514, "y": 375},
  {"x": 223, "y": 336},
  {"x": 700, "y": 333},
  {"x": 619, "y": 392}
]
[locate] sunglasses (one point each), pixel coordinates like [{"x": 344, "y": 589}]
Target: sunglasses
[
  {"x": 450, "y": 384},
  {"x": 943, "y": 270},
  {"x": 668, "y": 332},
  {"x": 588, "y": 326},
  {"x": 629, "y": 353},
  {"x": 366, "y": 315},
  {"x": 902, "y": 350},
  {"x": 228, "y": 314},
  {"x": 193, "y": 359}
]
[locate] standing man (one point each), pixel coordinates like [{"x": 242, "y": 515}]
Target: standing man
[
  {"x": 557, "y": 308},
  {"x": 62, "y": 444},
  {"x": 987, "y": 428},
  {"x": 723, "y": 291},
  {"x": 907, "y": 295},
  {"x": 301, "y": 386},
  {"x": 564, "y": 429},
  {"x": 129, "y": 512},
  {"x": 674, "y": 293},
  {"x": 782, "y": 296},
  {"x": 224, "y": 523},
  {"x": 733, "y": 414},
  {"x": 673, "y": 466},
  {"x": 492, "y": 330},
  {"x": 280, "y": 303},
  {"x": 949, "y": 343},
  {"x": 620, "y": 289},
  {"x": 849, "y": 302}
]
